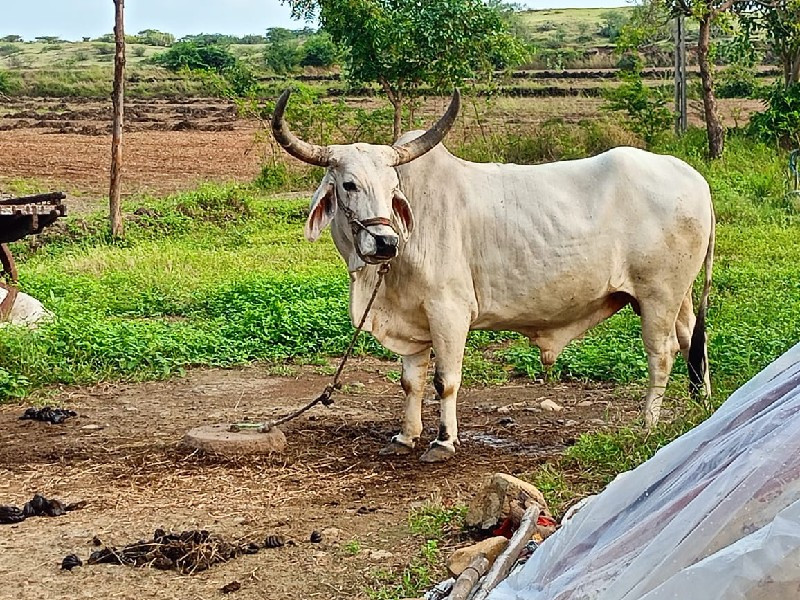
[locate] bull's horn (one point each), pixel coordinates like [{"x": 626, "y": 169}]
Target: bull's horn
[
  {"x": 310, "y": 153},
  {"x": 419, "y": 146}
]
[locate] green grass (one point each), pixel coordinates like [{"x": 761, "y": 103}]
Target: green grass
[
  {"x": 352, "y": 548},
  {"x": 421, "y": 574},
  {"x": 435, "y": 525},
  {"x": 433, "y": 520}
]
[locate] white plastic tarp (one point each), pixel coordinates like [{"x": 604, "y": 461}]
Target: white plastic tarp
[{"x": 715, "y": 515}]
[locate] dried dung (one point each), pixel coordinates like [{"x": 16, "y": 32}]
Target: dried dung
[
  {"x": 274, "y": 541},
  {"x": 70, "y": 562},
  {"x": 233, "y": 586},
  {"x": 187, "y": 552},
  {"x": 48, "y": 414},
  {"x": 38, "y": 506}
]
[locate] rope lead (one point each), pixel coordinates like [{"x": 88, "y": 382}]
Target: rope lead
[{"x": 325, "y": 398}]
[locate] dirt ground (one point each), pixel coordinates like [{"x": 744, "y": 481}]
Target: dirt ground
[{"x": 122, "y": 455}]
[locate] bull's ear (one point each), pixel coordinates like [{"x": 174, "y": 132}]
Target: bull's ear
[
  {"x": 402, "y": 210},
  {"x": 323, "y": 208}
]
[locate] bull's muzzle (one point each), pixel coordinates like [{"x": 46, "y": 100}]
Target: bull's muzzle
[{"x": 376, "y": 249}]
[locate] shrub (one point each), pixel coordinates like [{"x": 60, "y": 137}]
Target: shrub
[
  {"x": 8, "y": 83},
  {"x": 781, "y": 121},
  {"x": 8, "y": 49},
  {"x": 646, "y": 108},
  {"x": 194, "y": 56},
  {"x": 105, "y": 49},
  {"x": 319, "y": 51},
  {"x": 282, "y": 57},
  {"x": 612, "y": 24},
  {"x": 737, "y": 81}
]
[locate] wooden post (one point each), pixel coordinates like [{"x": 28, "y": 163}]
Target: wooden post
[
  {"x": 117, "y": 98},
  {"x": 681, "y": 122}
]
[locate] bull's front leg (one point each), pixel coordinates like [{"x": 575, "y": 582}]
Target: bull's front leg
[
  {"x": 448, "y": 343},
  {"x": 415, "y": 373}
]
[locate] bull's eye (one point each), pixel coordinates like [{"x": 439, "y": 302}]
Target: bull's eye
[{"x": 350, "y": 186}]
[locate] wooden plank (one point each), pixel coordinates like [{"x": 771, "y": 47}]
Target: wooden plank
[{"x": 35, "y": 199}]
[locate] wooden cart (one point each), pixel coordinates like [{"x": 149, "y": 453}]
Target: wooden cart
[{"x": 20, "y": 217}]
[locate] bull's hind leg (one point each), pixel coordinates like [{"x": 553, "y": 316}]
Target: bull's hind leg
[
  {"x": 684, "y": 325},
  {"x": 448, "y": 344},
  {"x": 415, "y": 371},
  {"x": 661, "y": 345}
]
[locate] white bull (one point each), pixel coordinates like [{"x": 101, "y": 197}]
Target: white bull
[{"x": 548, "y": 250}]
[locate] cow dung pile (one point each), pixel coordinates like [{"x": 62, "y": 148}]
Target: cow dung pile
[
  {"x": 187, "y": 552},
  {"x": 48, "y": 414}
]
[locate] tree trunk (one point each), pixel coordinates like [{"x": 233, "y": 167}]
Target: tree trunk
[
  {"x": 396, "y": 98},
  {"x": 117, "y": 97},
  {"x": 792, "y": 67},
  {"x": 716, "y": 133},
  {"x": 398, "y": 119}
]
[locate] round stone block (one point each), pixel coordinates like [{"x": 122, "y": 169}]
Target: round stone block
[{"x": 221, "y": 439}]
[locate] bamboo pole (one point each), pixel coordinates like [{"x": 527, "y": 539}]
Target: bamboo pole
[{"x": 117, "y": 98}]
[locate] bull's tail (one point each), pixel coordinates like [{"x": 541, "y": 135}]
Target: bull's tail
[{"x": 698, "y": 353}]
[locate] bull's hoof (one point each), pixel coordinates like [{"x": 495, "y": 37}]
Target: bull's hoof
[
  {"x": 437, "y": 452},
  {"x": 396, "y": 448}
]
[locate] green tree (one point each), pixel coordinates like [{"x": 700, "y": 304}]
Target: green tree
[
  {"x": 282, "y": 57},
  {"x": 780, "y": 23},
  {"x": 645, "y": 107},
  {"x": 707, "y": 13},
  {"x": 11, "y": 39},
  {"x": 612, "y": 24},
  {"x": 405, "y": 44},
  {"x": 319, "y": 51},
  {"x": 154, "y": 37}
]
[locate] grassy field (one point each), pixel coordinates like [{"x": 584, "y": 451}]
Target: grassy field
[{"x": 68, "y": 54}]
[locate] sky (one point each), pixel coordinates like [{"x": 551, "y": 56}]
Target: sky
[{"x": 74, "y": 19}]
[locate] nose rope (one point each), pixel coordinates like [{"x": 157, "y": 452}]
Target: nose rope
[{"x": 357, "y": 224}]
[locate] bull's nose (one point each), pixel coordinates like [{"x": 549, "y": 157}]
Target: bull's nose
[{"x": 386, "y": 246}]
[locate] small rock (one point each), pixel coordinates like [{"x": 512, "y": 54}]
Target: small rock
[
  {"x": 597, "y": 421},
  {"x": 584, "y": 404},
  {"x": 91, "y": 427},
  {"x": 357, "y": 386},
  {"x": 316, "y": 537},
  {"x": 550, "y": 405},
  {"x": 504, "y": 410},
  {"x": 70, "y": 562},
  {"x": 380, "y": 555},
  {"x": 506, "y": 422},
  {"x": 492, "y": 504},
  {"x": 490, "y": 548},
  {"x": 570, "y": 423}
]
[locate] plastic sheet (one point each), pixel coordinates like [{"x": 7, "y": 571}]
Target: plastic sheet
[{"x": 715, "y": 515}]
